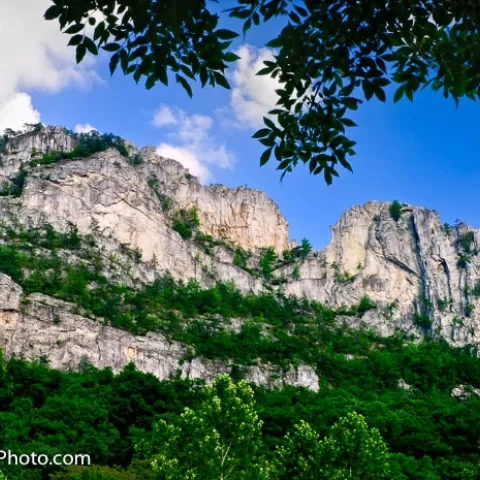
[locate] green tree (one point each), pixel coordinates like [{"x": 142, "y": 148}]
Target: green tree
[
  {"x": 306, "y": 248},
  {"x": 395, "y": 210},
  {"x": 327, "y": 55},
  {"x": 219, "y": 440},
  {"x": 138, "y": 470},
  {"x": 351, "y": 451},
  {"x": 268, "y": 258}
]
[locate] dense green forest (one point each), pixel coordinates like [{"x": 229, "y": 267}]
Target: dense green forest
[{"x": 125, "y": 422}]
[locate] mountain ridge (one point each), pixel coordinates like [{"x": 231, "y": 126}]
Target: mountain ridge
[{"x": 410, "y": 272}]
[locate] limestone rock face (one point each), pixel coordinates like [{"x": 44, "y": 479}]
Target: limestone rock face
[
  {"x": 416, "y": 270},
  {"x": 18, "y": 150},
  {"x": 38, "y": 325},
  {"x": 243, "y": 215},
  {"x": 105, "y": 195}
]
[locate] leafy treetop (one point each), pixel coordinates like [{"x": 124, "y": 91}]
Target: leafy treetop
[{"x": 327, "y": 55}]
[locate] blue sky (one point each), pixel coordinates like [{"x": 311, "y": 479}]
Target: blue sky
[{"x": 423, "y": 153}]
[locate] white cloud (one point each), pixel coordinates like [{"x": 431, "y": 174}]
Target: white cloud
[
  {"x": 164, "y": 116},
  {"x": 34, "y": 56},
  {"x": 191, "y": 143},
  {"x": 252, "y": 96},
  {"x": 17, "y": 110},
  {"x": 84, "y": 128},
  {"x": 187, "y": 158}
]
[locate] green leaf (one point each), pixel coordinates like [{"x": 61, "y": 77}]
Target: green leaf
[
  {"x": 323, "y": 159},
  {"x": 268, "y": 142},
  {"x": 124, "y": 60},
  {"x": 90, "y": 45},
  {"x": 52, "y": 12},
  {"x": 75, "y": 28},
  {"x": 347, "y": 91},
  {"x": 301, "y": 11},
  {"x": 263, "y": 132},
  {"x": 381, "y": 64},
  {"x": 345, "y": 164},
  {"x": 75, "y": 40},
  {"x": 221, "y": 80},
  {"x": 99, "y": 31},
  {"x": 294, "y": 17},
  {"x": 380, "y": 94},
  {"x": 187, "y": 72},
  {"x": 242, "y": 14},
  {"x": 112, "y": 47},
  {"x": 247, "y": 25},
  {"x": 137, "y": 73},
  {"x": 80, "y": 53},
  {"x": 138, "y": 53},
  {"x": 399, "y": 93},
  {"x": 382, "y": 82},
  {"x": 224, "y": 34},
  {"x": 150, "y": 83},
  {"x": 114, "y": 62},
  {"x": 231, "y": 57},
  {"x": 265, "y": 157},
  {"x": 278, "y": 153},
  {"x": 368, "y": 89},
  {"x": 348, "y": 123},
  {"x": 265, "y": 71},
  {"x": 276, "y": 42},
  {"x": 161, "y": 73},
  {"x": 140, "y": 40},
  {"x": 183, "y": 82},
  {"x": 284, "y": 164},
  {"x": 203, "y": 76},
  {"x": 269, "y": 123},
  {"x": 351, "y": 103},
  {"x": 328, "y": 176}
]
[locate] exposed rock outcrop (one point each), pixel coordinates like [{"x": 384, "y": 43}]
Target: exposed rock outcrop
[
  {"x": 18, "y": 150},
  {"x": 38, "y": 325},
  {"x": 243, "y": 215},
  {"x": 464, "y": 392},
  {"x": 420, "y": 274}
]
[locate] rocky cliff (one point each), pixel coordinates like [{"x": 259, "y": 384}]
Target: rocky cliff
[
  {"x": 422, "y": 275},
  {"x": 409, "y": 270},
  {"x": 40, "y": 326}
]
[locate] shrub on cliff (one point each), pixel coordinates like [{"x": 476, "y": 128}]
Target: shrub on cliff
[{"x": 395, "y": 210}]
